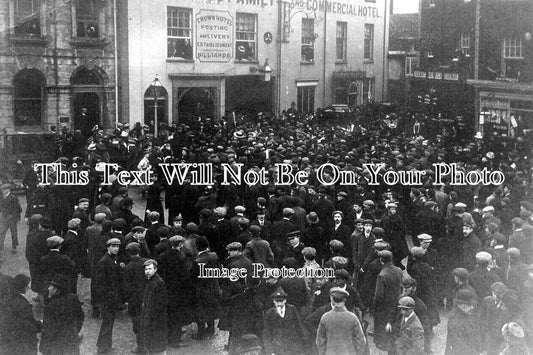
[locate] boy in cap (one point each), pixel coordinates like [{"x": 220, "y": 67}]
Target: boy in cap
[
  {"x": 482, "y": 277},
  {"x": 10, "y": 211},
  {"x": 410, "y": 333},
  {"x": 463, "y": 337},
  {"x": 55, "y": 263}
]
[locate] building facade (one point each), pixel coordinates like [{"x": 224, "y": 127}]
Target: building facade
[
  {"x": 230, "y": 57},
  {"x": 57, "y": 65},
  {"x": 477, "y": 61}
]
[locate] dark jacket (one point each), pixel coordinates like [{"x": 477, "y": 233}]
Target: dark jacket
[
  {"x": 108, "y": 281},
  {"x": 62, "y": 321},
  {"x": 463, "y": 335},
  {"x": 207, "y": 290},
  {"x": 259, "y": 251},
  {"x": 23, "y": 326},
  {"x": 134, "y": 281},
  {"x": 55, "y": 263},
  {"x": 154, "y": 315},
  {"x": 283, "y": 335}
]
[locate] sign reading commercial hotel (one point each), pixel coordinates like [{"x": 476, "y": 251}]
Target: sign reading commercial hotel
[{"x": 214, "y": 36}]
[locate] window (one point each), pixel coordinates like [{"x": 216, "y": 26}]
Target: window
[
  {"x": 87, "y": 18},
  {"x": 513, "y": 48},
  {"x": 179, "y": 33},
  {"x": 308, "y": 40},
  {"x": 368, "y": 89},
  {"x": 27, "y": 21},
  {"x": 465, "y": 44},
  {"x": 411, "y": 64},
  {"x": 306, "y": 98},
  {"x": 341, "y": 41},
  {"x": 28, "y": 97},
  {"x": 246, "y": 37},
  {"x": 369, "y": 42}
]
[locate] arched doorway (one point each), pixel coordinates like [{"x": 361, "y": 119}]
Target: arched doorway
[
  {"x": 353, "y": 93},
  {"x": 151, "y": 102},
  {"x": 87, "y": 99},
  {"x": 194, "y": 103}
]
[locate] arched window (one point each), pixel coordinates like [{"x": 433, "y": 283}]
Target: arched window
[
  {"x": 28, "y": 97},
  {"x": 155, "y": 99},
  {"x": 353, "y": 92}
]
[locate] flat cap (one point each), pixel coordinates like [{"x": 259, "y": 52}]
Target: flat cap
[
  {"x": 83, "y": 199},
  {"x": 279, "y": 294},
  {"x": 368, "y": 221},
  {"x": 465, "y": 296},
  {"x": 119, "y": 223},
  {"x": 74, "y": 223},
  {"x": 513, "y": 330},
  {"x": 240, "y": 209},
  {"x": 417, "y": 251},
  {"x": 368, "y": 202},
  {"x": 221, "y": 212},
  {"x": 342, "y": 194},
  {"x": 54, "y": 240},
  {"x": 295, "y": 234},
  {"x": 424, "y": 237},
  {"x": 498, "y": 287},
  {"x": 337, "y": 291},
  {"x": 488, "y": 209},
  {"x": 460, "y": 205},
  {"x": 406, "y": 302},
  {"x": 234, "y": 246},
  {"x": 114, "y": 241},
  {"x": 392, "y": 205},
  {"x": 513, "y": 252},
  {"x": 517, "y": 221},
  {"x": 176, "y": 239},
  {"x": 287, "y": 211},
  {"x": 338, "y": 212},
  {"x": 133, "y": 247},
  {"x": 461, "y": 273},
  {"x": 336, "y": 245},
  {"x": 430, "y": 204},
  {"x": 99, "y": 217},
  {"x": 483, "y": 256},
  {"x": 138, "y": 229}
]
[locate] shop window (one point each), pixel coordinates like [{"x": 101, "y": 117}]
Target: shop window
[
  {"x": 28, "y": 97},
  {"x": 369, "y": 42},
  {"x": 465, "y": 44},
  {"x": 411, "y": 64},
  {"x": 342, "y": 41},
  {"x": 87, "y": 18},
  {"x": 246, "y": 37},
  {"x": 27, "y": 21},
  {"x": 308, "y": 40},
  {"x": 179, "y": 33}
]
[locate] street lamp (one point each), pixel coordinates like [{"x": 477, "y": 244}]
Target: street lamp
[{"x": 155, "y": 90}]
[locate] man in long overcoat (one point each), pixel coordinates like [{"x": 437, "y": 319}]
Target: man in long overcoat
[
  {"x": 154, "y": 310},
  {"x": 134, "y": 282},
  {"x": 62, "y": 320},
  {"x": 463, "y": 336},
  {"x": 388, "y": 288}
]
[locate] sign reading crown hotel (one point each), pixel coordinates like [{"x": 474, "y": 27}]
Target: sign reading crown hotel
[{"x": 214, "y": 36}]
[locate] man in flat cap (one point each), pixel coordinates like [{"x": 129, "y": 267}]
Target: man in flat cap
[
  {"x": 344, "y": 206},
  {"x": 74, "y": 246},
  {"x": 460, "y": 276},
  {"x": 257, "y": 249},
  {"x": 386, "y": 295},
  {"x": 492, "y": 316},
  {"x": 395, "y": 231},
  {"x": 410, "y": 333},
  {"x": 315, "y": 236},
  {"x": 134, "y": 282},
  {"x": 151, "y": 236},
  {"x": 362, "y": 243},
  {"x": 463, "y": 336},
  {"x": 324, "y": 207},
  {"x": 283, "y": 331},
  {"x": 340, "y": 331},
  {"x": 471, "y": 245},
  {"x": 154, "y": 311},
  {"x": 429, "y": 221},
  {"x": 482, "y": 277},
  {"x": 10, "y": 211},
  {"x": 234, "y": 221},
  {"x": 173, "y": 270},
  {"x": 207, "y": 290},
  {"x": 55, "y": 263},
  {"x": 295, "y": 247},
  {"x": 280, "y": 229},
  {"x": 108, "y": 287}
]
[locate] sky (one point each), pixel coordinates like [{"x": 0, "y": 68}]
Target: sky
[{"x": 405, "y": 6}]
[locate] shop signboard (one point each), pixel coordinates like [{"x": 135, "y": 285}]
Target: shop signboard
[{"x": 214, "y": 36}]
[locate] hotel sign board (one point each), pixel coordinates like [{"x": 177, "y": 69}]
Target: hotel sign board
[{"x": 214, "y": 36}]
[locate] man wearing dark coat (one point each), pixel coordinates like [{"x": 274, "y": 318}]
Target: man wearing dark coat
[
  {"x": 55, "y": 263},
  {"x": 280, "y": 229},
  {"x": 151, "y": 236},
  {"x": 74, "y": 245},
  {"x": 386, "y": 295},
  {"x": 108, "y": 287},
  {"x": 154, "y": 310},
  {"x": 314, "y": 236},
  {"x": 207, "y": 290},
  {"x": 283, "y": 331},
  {"x": 62, "y": 320},
  {"x": 264, "y": 224},
  {"x": 481, "y": 278},
  {"x": 362, "y": 243},
  {"x": 163, "y": 246},
  {"x": 340, "y": 231},
  {"x": 134, "y": 281},
  {"x": 22, "y": 325},
  {"x": 224, "y": 233},
  {"x": 36, "y": 248},
  {"x": 463, "y": 336},
  {"x": 173, "y": 270},
  {"x": 394, "y": 228},
  {"x": 10, "y": 211},
  {"x": 257, "y": 249}
]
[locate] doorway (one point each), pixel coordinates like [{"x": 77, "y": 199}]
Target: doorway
[
  {"x": 195, "y": 103},
  {"x": 86, "y": 112}
]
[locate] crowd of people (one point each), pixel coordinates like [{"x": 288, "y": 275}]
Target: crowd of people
[{"x": 401, "y": 255}]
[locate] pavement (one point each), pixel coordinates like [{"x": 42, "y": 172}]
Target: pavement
[{"x": 123, "y": 337}]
